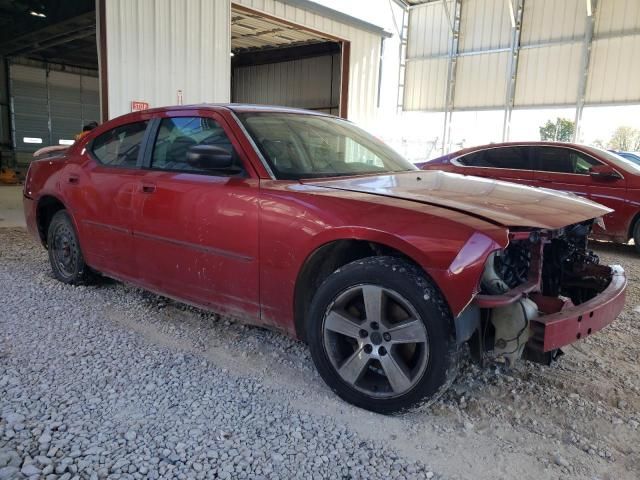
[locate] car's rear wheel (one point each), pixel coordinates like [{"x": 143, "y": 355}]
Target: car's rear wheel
[
  {"x": 380, "y": 335},
  {"x": 65, "y": 256}
]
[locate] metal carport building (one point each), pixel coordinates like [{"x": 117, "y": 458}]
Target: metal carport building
[
  {"x": 470, "y": 55},
  {"x": 64, "y": 64}
]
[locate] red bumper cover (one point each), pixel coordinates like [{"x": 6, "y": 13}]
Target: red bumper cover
[{"x": 566, "y": 323}]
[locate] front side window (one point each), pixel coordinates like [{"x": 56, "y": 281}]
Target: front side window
[
  {"x": 563, "y": 160},
  {"x": 616, "y": 160},
  {"x": 311, "y": 146},
  {"x": 120, "y": 146},
  {"x": 514, "y": 158},
  {"x": 179, "y": 134}
]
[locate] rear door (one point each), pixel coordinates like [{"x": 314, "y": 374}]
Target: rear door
[
  {"x": 196, "y": 232},
  {"x": 510, "y": 163}
]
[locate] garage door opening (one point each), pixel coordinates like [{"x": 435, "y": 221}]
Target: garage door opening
[
  {"x": 49, "y": 55},
  {"x": 275, "y": 62}
]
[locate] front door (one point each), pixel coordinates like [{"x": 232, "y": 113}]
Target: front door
[
  {"x": 566, "y": 169},
  {"x": 196, "y": 231}
]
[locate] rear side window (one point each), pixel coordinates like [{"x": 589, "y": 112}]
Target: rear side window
[
  {"x": 120, "y": 147},
  {"x": 178, "y": 134},
  {"x": 515, "y": 158},
  {"x": 563, "y": 160}
]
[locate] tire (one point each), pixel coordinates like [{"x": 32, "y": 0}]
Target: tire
[
  {"x": 636, "y": 235},
  {"x": 65, "y": 256},
  {"x": 420, "y": 354}
]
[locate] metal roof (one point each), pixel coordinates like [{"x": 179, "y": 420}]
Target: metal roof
[
  {"x": 337, "y": 16},
  {"x": 253, "y": 31}
]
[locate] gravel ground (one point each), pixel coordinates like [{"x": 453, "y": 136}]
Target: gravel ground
[{"x": 114, "y": 382}]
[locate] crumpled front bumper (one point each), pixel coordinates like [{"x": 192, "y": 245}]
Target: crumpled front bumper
[{"x": 564, "y": 323}]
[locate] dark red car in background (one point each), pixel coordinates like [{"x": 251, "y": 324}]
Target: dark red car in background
[
  {"x": 302, "y": 222},
  {"x": 589, "y": 172}
]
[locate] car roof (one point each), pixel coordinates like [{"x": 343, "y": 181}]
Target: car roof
[
  {"x": 235, "y": 107},
  {"x": 488, "y": 146}
]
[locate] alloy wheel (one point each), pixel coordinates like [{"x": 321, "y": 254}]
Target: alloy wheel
[{"x": 376, "y": 341}]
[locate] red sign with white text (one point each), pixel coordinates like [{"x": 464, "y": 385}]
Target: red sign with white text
[{"x": 137, "y": 106}]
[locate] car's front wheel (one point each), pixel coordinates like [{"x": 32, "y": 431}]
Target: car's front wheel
[
  {"x": 65, "y": 256},
  {"x": 381, "y": 335},
  {"x": 636, "y": 235}
]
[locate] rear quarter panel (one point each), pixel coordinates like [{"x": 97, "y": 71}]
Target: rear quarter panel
[{"x": 43, "y": 179}]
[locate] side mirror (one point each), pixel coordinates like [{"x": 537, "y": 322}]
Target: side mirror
[
  {"x": 603, "y": 172},
  {"x": 211, "y": 157}
]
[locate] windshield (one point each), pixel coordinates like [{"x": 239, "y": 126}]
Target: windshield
[
  {"x": 617, "y": 160},
  {"x": 308, "y": 146},
  {"x": 630, "y": 156}
]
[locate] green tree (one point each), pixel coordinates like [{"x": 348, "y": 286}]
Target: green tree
[
  {"x": 626, "y": 139},
  {"x": 561, "y": 130}
]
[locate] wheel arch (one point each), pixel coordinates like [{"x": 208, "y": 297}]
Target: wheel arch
[
  {"x": 46, "y": 208},
  {"x": 632, "y": 225},
  {"x": 325, "y": 260}
]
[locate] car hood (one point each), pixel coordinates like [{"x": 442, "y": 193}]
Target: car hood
[{"x": 504, "y": 203}]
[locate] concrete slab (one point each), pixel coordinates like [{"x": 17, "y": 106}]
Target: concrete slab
[{"x": 11, "y": 214}]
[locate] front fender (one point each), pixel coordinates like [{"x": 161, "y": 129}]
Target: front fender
[
  {"x": 297, "y": 220},
  {"x": 456, "y": 268},
  {"x": 460, "y": 282}
]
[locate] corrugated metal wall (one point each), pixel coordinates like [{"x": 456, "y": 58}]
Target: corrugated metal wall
[
  {"x": 157, "y": 47},
  {"x": 425, "y": 84},
  {"x": 484, "y": 25},
  {"x": 5, "y": 129},
  {"x": 550, "y": 20},
  {"x": 617, "y": 16},
  {"x": 428, "y": 43},
  {"x": 551, "y": 54},
  {"x": 312, "y": 83},
  {"x": 29, "y": 107},
  {"x": 481, "y": 81},
  {"x": 364, "y": 55},
  {"x": 429, "y": 32},
  {"x": 615, "y": 73},
  {"x": 549, "y": 75},
  {"x": 49, "y": 106},
  {"x": 154, "y": 46},
  {"x": 481, "y": 78}
]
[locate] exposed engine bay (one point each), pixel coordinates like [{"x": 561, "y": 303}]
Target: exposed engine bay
[{"x": 540, "y": 273}]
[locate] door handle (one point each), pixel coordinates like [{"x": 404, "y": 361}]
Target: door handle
[
  {"x": 148, "y": 188},
  {"x": 73, "y": 179}
]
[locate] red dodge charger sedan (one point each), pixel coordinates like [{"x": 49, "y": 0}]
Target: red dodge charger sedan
[
  {"x": 303, "y": 222},
  {"x": 589, "y": 172}
]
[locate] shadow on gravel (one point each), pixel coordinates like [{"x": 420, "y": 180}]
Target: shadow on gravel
[{"x": 613, "y": 248}]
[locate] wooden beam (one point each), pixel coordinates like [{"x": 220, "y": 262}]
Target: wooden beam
[{"x": 344, "y": 79}]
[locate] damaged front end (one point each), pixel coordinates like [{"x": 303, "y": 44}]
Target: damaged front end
[{"x": 543, "y": 291}]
